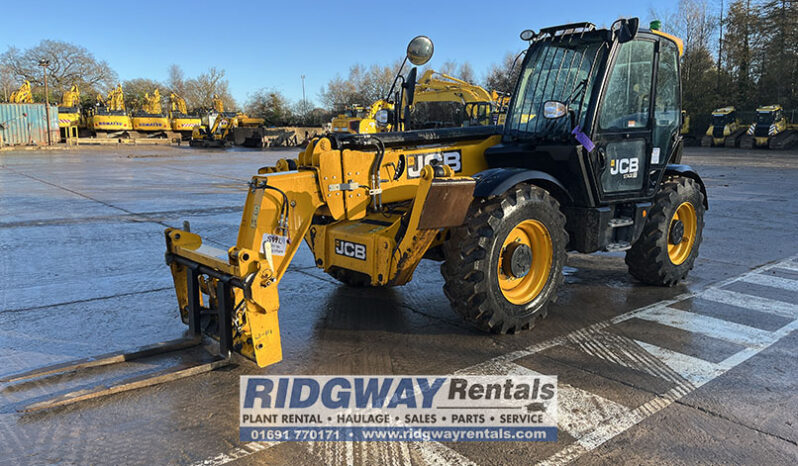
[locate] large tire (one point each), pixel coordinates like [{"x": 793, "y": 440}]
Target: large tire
[
  {"x": 475, "y": 252},
  {"x": 655, "y": 258}
]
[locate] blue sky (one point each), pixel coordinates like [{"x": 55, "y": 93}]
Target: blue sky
[{"x": 270, "y": 44}]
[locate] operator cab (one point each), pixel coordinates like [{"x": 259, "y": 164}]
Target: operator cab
[{"x": 599, "y": 109}]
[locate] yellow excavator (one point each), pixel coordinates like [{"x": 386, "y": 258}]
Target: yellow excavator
[
  {"x": 218, "y": 135},
  {"x": 770, "y": 130},
  {"x": 221, "y": 128},
  {"x": 109, "y": 117},
  {"x": 69, "y": 111},
  {"x": 500, "y": 205},
  {"x": 443, "y": 101},
  {"x": 150, "y": 119},
  {"x": 182, "y": 122},
  {"x": 725, "y": 129},
  {"x": 358, "y": 119},
  {"x": 440, "y": 101},
  {"x": 22, "y": 95}
]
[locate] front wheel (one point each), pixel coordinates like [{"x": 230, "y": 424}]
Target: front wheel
[
  {"x": 504, "y": 266},
  {"x": 668, "y": 247}
]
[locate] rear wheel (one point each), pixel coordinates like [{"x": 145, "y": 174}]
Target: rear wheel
[
  {"x": 667, "y": 249},
  {"x": 504, "y": 266}
]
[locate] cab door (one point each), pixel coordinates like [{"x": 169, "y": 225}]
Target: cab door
[{"x": 624, "y": 127}]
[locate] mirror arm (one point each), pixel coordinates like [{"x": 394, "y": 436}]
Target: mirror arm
[{"x": 396, "y": 79}]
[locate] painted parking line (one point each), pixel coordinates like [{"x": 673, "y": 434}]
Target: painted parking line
[
  {"x": 590, "y": 419},
  {"x": 755, "y": 303},
  {"x": 704, "y": 325},
  {"x": 776, "y": 282}
]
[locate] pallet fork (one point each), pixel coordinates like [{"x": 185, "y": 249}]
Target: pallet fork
[{"x": 223, "y": 313}]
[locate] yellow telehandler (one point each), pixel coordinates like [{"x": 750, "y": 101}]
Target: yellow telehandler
[{"x": 588, "y": 160}]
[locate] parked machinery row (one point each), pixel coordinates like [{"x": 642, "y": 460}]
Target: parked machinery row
[
  {"x": 770, "y": 129},
  {"x": 109, "y": 117}
]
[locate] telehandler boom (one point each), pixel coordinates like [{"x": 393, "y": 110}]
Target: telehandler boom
[{"x": 588, "y": 160}]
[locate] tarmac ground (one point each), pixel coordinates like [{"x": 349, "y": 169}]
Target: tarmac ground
[{"x": 703, "y": 372}]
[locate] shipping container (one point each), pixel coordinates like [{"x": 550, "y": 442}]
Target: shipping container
[{"x": 23, "y": 124}]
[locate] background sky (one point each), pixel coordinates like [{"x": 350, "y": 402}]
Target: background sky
[{"x": 264, "y": 44}]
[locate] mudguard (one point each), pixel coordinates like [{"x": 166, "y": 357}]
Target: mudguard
[
  {"x": 495, "y": 181},
  {"x": 688, "y": 172}
]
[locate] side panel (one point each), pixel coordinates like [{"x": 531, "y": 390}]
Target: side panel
[{"x": 27, "y": 123}]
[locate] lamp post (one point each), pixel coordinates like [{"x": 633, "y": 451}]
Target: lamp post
[
  {"x": 304, "y": 102},
  {"x": 44, "y": 64}
]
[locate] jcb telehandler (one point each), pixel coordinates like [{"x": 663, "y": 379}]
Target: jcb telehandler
[{"x": 588, "y": 160}]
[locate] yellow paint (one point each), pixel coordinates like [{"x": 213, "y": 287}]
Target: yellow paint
[
  {"x": 678, "y": 253},
  {"x": 535, "y": 235}
]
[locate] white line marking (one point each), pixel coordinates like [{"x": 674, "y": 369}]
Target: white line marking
[
  {"x": 789, "y": 265},
  {"x": 705, "y": 325},
  {"x": 618, "y": 418},
  {"x": 243, "y": 451},
  {"x": 772, "y": 281},
  {"x": 694, "y": 370},
  {"x": 756, "y": 303},
  {"x": 438, "y": 454}
]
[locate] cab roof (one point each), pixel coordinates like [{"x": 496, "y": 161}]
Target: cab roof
[
  {"x": 769, "y": 108},
  {"x": 723, "y": 111}
]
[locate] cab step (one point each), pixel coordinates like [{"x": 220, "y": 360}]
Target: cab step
[
  {"x": 617, "y": 247},
  {"x": 620, "y": 222}
]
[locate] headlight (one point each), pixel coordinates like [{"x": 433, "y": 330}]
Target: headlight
[{"x": 382, "y": 117}]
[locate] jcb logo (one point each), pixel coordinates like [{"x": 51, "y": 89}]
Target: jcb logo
[
  {"x": 625, "y": 167},
  {"x": 416, "y": 162},
  {"x": 350, "y": 249}
]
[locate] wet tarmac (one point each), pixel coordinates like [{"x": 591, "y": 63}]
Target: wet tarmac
[{"x": 702, "y": 372}]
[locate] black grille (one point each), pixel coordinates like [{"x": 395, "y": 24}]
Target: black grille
[
  {"x": 761, "y": 131},
  {"x": 717, "y": 131}
]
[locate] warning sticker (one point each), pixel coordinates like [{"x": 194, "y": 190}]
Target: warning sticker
[{"x": 279, "y": 244}]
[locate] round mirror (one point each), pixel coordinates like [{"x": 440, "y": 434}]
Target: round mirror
[
  {"x": 419, "y": 50},
  {"x": 527, "y": 34}
]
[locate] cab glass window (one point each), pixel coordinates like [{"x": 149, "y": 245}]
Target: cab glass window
[
  {"x": 666, "y": 100},
  {"x": 627, "y": 99}
]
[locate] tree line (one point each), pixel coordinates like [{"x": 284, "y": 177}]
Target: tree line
[
  {"x": 744, "y": 53},
  {"x": 72, "y": 64},
  {"x": 741, "y": 52}
]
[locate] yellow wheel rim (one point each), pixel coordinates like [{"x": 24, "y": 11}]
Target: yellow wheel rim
[
  {"x": 679, "y": 251},
  {"x": 524, "y": 288}
]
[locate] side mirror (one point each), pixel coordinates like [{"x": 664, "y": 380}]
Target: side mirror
[
  {"x": 420, "y": 50},
  {"x": 626, "y": 29},
  {"x": 410, "y": 86},
  {"x": 553, "y": 109}
]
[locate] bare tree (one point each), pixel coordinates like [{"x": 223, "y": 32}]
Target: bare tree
[
  {"x": 448, "y": 67},
  {"x": 502, "y": 76},
  {"x": 69, "y": 64},
  {"x": 177, "y": 80},
  {"x": 199, "y": 91},
  {"x": 362, "y": 87},
  {"x": 466, "y": 73},
  {"x": 136, "y": 88}
]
